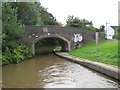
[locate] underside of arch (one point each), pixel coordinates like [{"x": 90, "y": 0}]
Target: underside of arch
[{"x": 65, "y": 43}]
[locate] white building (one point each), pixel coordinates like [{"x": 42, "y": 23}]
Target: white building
[
  {"x": 110, "y": 32},
  {"x": 119, "y": 13}
]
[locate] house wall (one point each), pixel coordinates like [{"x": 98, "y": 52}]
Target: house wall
[{"x": 110, "y": 33}]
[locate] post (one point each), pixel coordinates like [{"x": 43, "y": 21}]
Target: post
[
  {"x": 106, "y": 32},
  {"x": 106, "y": 29},
  {"x": 97, "y": 36}
]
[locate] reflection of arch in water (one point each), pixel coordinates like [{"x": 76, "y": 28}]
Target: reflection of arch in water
[{"x": 65, "y": 43}]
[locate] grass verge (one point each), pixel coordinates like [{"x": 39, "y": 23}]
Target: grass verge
[{"x": 105, "y": 52}]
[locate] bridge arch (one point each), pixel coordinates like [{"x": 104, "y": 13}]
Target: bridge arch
[{"x": 66, "y": 47}]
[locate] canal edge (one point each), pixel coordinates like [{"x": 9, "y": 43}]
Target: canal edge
[{"x": 99, "y": 67}]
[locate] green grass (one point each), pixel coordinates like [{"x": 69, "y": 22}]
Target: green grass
[
  {"x": 105, "y": 52},
  {"x": 58, "y": 48}
]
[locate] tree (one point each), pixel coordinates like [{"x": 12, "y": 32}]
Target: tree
[
  {"x": 12, "y": 27},
  {"x": 117, "y": 33},
  {"x": 28, "y": 12},
  {"x": 32, "y": 13},
  {"x": 48, "y": 18},
  {"x": 12, "y": 52},
  {"x": 80, "y": 23},
  {"x": 102, "y": 28}
]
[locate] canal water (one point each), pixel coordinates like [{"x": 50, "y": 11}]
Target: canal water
[{"x": 50, "y": 71}]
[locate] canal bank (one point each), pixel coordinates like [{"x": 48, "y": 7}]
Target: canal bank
[{"x": 99, "y": 67}]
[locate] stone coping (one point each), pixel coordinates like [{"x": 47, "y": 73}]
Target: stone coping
[{"x": 108, "y": 70}]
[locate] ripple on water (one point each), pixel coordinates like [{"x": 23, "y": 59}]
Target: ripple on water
[
  {"x": 54, "y": 72},
  {"x": 73, "y": 75},
  {"x": 61, "y": 81},
  {"x": 55, "y": 76}
]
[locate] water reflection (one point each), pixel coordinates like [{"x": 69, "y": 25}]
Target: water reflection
[{"x": 50, "y": 71}]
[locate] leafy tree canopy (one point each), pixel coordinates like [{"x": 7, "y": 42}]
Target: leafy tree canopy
[
  {"x": 80, "y": 23},
  {"x": 12, "y": 27},
  {"x": 102, "y": 28},
  {"x": 32, "y": 13}
]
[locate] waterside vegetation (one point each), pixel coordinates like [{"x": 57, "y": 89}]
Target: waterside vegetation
[
  {"x": 105, "y": 52},
  {"x": 15, "y": 16}
]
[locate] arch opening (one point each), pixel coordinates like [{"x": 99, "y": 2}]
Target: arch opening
[{"x": 47, "y": 44}]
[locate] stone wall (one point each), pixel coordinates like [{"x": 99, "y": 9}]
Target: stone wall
[{"x": 35, "y": 33}]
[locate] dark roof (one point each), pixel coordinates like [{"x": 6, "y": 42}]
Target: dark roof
[{"x": 114, "y": 27}]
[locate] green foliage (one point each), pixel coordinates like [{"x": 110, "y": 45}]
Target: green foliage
[
  {"x": 14, "y": 16},
  {"x": 48, "y": 18},
  {"x": 58, "y": 48},
  {"x": 32, "y": 13},
  {"x": 11, "y": 26},
  {"x": 105, "y": 52},
  {"x": 80, "y": 23},
  {"x": 12, "y": 31},
  {"x": 15, "y": 53},
  {"x": 117, "y": 33},
  {"x": 116, "y": 36},
  {"x": 28, "y": 12},
  {"x": 102, "y": 28}
]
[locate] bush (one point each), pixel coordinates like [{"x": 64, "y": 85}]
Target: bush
[
  {"x": 15, "y": 53},
  {"x": 116, "y": 36},
  {"x": 117, "y": 33}
]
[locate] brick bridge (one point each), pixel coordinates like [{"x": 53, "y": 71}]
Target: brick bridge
[{"x": 65, "y": 34}]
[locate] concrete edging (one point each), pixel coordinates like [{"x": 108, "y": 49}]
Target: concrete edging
[{"x": 99, "y": 67}]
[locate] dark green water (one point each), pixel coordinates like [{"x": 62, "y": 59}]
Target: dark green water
[{"x": 50, "y": 71}]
